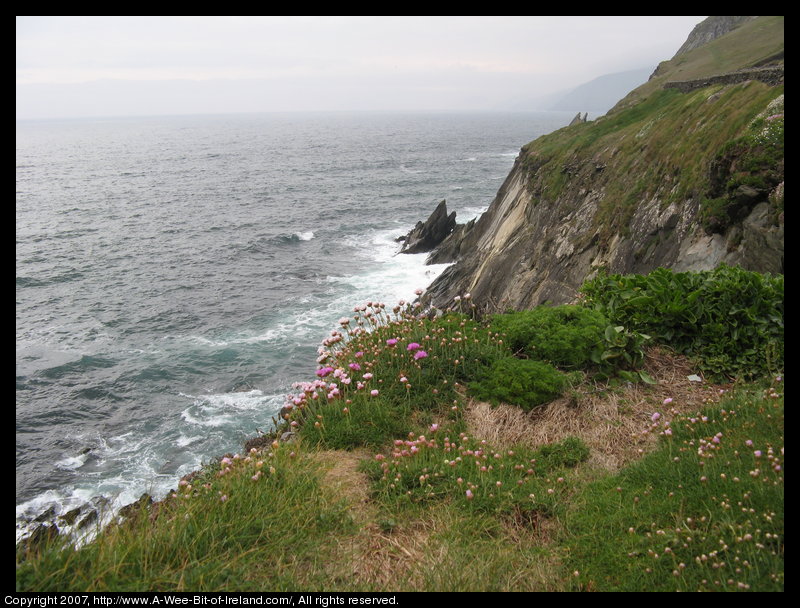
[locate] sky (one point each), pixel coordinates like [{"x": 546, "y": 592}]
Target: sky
[{"x": 137, "y": 66}]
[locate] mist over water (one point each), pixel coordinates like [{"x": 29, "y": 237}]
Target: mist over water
[{"x": 175, "y": 275}]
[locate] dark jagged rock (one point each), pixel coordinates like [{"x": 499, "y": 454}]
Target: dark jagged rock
[
  {"x": 70, "y": 516},
  {"x": 145, "y": 500},
  {"x": 42, "y": 534},
  {"x": 427, "y": 235},
  {"x": 579, "y": 119}
]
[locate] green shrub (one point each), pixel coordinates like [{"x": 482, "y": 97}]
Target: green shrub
[
  {"x": 523, "y": 382},
  {"x": 565, "y": 336},
  {"x": 730, "y": 320},
  {"x": 622, "y": 354}
]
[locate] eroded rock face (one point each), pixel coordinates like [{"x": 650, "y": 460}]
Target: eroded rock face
[{"x": 525, "y": 251}]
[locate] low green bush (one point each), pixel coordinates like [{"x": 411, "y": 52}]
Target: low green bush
[
  {"x": 524, "y": 382},
  {"x": 729, "y": 319},
  {"x": 563, "y": 335}
]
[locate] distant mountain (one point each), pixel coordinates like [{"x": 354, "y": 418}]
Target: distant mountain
[{"x": 601, "y": 94}]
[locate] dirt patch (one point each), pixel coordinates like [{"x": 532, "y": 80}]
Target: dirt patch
[{"x": 381, "y": 552}]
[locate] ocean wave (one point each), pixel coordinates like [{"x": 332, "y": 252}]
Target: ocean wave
[
  {"x": 216, "y": 410},
  {"x": 80, "y": 366}
]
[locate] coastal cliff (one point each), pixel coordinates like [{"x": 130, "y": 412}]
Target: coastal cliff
[{"x": 683, "y": 176}]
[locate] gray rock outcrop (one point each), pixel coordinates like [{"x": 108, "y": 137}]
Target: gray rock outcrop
[{"x": 429, "y": 234}]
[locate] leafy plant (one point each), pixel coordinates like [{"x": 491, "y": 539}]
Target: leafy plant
[
  {"x": 621, "y": 353},
  {"x": 729, "y": 319}
]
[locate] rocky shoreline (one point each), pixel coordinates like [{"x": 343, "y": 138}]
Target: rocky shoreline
[{"x": 439, "y": 236}]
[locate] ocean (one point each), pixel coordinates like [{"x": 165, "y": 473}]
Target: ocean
[{"x": 175, "y": 275}]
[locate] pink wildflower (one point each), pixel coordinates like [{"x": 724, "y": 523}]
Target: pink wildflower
[
  {"x": 469, "y": 495},
  {"x": 391, "y": 341},
  {"x": 413, "y": 346},
  {"x": 420, "y": 354},
  {"x": 374, "y": 392}
]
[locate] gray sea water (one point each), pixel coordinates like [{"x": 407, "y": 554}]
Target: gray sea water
[{"x": 175, "y": 275}]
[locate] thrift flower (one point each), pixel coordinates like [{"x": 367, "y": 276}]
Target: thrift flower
[
  {"x": 413, "y": 346},
  {"x": 391, "y": 341},
  {"x": 374, "y": 392},
  {"x": 420, "y": 354}
]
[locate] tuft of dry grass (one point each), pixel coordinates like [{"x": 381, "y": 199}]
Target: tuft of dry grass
[{"x": 610, "y": 421}]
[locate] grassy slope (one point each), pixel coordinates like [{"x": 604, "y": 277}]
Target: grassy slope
[
  {"x": 744, "y": 47},
  {"x": 589, "y": 492},
  {"x": 636, "y": 143},
  {"x": 641, "y": 156}
]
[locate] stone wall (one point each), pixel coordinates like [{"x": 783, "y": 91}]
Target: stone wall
[{"x": 772, "y": 76}]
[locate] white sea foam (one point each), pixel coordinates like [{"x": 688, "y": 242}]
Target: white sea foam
[
  {"x": 184, "y": 441},
  {"x": 304, "y": 236},
  {"x": 70, "y": 463}
]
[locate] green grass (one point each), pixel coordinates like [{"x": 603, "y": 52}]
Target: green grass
[
  {"x": 702, "y": 513},
  {"x": 744, "y": 47},
  {"x": 425, "y": 504},
  {"x": 222, "y": 531},
  {"x": 642, "y": 158}
]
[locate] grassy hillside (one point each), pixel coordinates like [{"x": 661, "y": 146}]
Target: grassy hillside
[
  {"x": 519, "y": 452},
  {"x": 750, "y": 45},
  {"x": 667, "y": 147}
]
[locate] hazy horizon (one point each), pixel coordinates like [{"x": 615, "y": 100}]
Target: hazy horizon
[{"x": 73, "y": 67}]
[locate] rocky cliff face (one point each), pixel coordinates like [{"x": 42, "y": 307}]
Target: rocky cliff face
[
  {"x": 710, "y": 29},
  {"x": 670, "y": 180}
]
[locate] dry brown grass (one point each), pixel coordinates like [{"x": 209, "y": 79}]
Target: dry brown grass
[{"x": 610, "y": 421}]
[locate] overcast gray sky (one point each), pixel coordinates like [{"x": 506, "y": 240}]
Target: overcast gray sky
[{"x": 128, "y": 66}]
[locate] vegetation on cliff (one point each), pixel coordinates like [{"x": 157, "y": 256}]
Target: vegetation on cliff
[
  {"x": 686, "y": 172},
  {"x": 390, "y": 471},
  {"x": 634, "y": 155}
]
